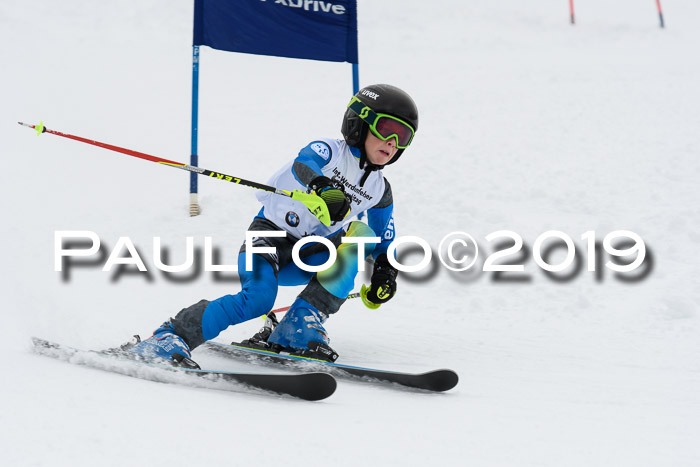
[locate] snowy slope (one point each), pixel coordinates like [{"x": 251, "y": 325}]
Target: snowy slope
[{"x": 528, "y": 124}]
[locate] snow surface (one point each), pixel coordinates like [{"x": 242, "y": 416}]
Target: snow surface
[{"x": 527, "y": 124}]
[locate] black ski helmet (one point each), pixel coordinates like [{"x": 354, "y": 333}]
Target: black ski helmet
[{"x": 381, "y": 98}]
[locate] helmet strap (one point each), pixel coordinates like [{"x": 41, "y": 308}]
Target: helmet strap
[
  {"x": 364, "y": 162},
  {"x": 368, "y": 170},
  {"x": 366, "y": 165}
]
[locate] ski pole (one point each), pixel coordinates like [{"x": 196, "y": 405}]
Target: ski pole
[
  {"x": 311, "y": 200},
  {"x": 286, "y": 308}
]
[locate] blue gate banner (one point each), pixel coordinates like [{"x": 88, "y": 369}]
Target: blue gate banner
[{"x": 311, "y": 29}]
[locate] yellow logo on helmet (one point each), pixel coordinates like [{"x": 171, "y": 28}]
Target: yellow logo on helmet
[{"x": 364, "y": 112}]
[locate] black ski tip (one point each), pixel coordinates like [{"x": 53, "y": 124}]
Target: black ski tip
[
  {"x": 306, "y": 386},
  {"x": 319, "y": 386},
  {"x": 441, "y": 380}
]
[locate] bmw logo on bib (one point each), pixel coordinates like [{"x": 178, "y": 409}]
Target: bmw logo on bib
[{"x": 292, "y": 219}]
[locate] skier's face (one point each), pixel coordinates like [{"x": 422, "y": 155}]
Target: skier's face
[{"x": 379, "y": 152}]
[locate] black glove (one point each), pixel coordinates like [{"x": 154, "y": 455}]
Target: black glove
[
  {"x": 383, "y": 283},
  {"x": 333, "y": 194}
]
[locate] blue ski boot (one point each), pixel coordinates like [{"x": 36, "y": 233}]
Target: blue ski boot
[
  {"x": 165, "y": 344},
  {"x": 301, "y": 332}
]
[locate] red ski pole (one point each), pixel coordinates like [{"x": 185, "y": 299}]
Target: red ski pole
[{"x": 312, "y": 201}]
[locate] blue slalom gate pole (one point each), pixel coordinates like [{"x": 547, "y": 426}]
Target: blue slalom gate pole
[
  {"x": 194, "y": 159},
  {"x": 355, "y": 90},
  {"x": 355, "y": 78}
]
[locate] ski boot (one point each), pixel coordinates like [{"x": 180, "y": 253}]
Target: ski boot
[
  {"x": 163, "y": 344},
  {"x": 301, "y": 333}
]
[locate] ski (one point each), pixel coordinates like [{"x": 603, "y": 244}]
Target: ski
[
  {"x": 308, "y": 386},
  {"x": 436, "y": 380}
]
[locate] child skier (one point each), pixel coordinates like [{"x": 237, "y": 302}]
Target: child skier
[{"x": 378, "y": 125}]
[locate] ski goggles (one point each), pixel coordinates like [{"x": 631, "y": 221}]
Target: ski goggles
[{"x": 383, "y": 126}]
